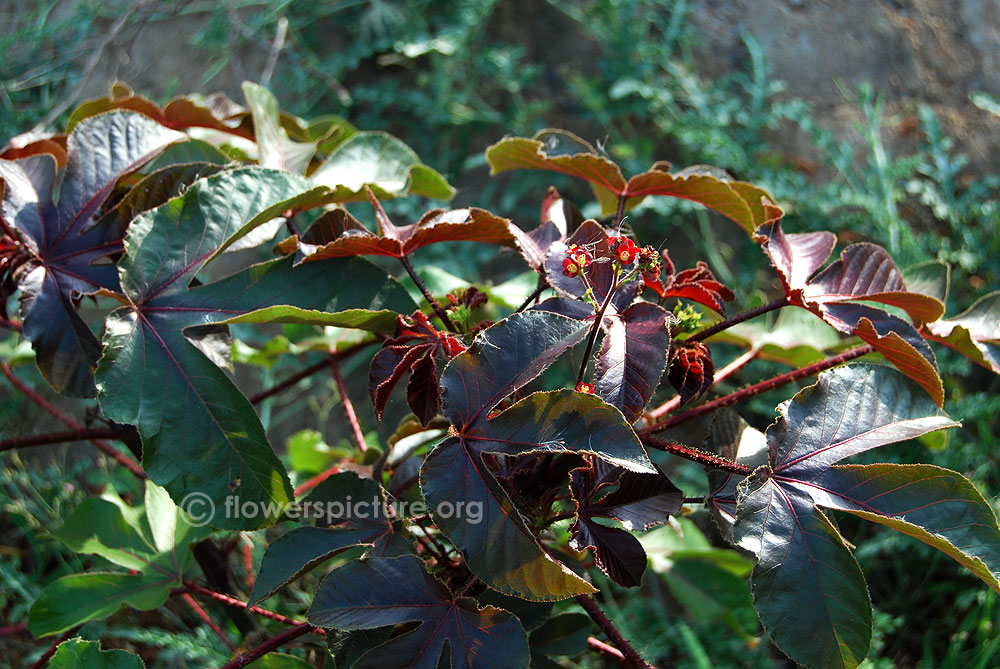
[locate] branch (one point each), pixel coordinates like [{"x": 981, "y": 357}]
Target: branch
[
  {"x": 629, "y": 654},
  {"x": 696, "y": 455},
  {"x": 738, "y": 318},
  {"x": 756, "y": 389},
  {"x": 271, "y": 644},
  {"x": 606, "y": 650},
  {"x": 427, "y": 294},
  {"x": 352, "y": 417},
  {"x": 57, "y": 438},
  {"x": 236, "y": 603},
  {"x": 276, "y": 46},
  {"x": 16, "y": 326},
  {"x": 91, "y": 65},
  {"x": 102, "y": 445},
  {"x": 542, "y": 286},
  {"x": 207, "y": 619}
]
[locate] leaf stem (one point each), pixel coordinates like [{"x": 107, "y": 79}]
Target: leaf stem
[
  {"x": 47, "y": 655},
  {"x": 352, "y": 417},
  {"x": 102, "y": 445},
  {"x": 756, "y": 389},
  {"x": 273, "y": 643},
  {"x": 57, "y": 438},
  {"x": 542, "y": 286},
  {"x": 236, "y": 603},
  {"x": 309, "y": 371},
  {"x": 308, "y": 485},
  {"x": 630, "y": 655},
  {"x": 435, "y": 305},
  {"x": 207, "y": 619},
  {"x": 724, "y": 373},
  {"x": 16, "y": 326},
  {"x": 739, "y": 318}
]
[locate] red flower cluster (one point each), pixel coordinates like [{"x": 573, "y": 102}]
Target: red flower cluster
[
  {"x": 584, "y": 387},
  {"x": 576, "y": 259}
]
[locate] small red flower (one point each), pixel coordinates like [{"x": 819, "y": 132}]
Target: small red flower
[
  {"x": 625, "y": 250},
  {"x": 570, "y": 268},
  {"x": 579, "y": 255},
  {"x": 584, "y": 387}
]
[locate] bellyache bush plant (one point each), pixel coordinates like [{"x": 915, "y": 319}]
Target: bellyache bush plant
[{"x": 514, "y": 478}]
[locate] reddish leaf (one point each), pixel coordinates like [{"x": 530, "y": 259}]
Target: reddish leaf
[
  {"x": 639, "y": 501},
  {"x": 218, "y": 112},
  {"x": 863, "y": 272},
  {"x": 698, "y": 285},
  {"x": 866, "y": 272},
  {"x": 632, "y": 358},
  {"x": 548, "y": 151},
  {"x": 692, "y": 371},
  {"x": 388, "y": 367},
  {"x": 31, "y": 144},
  {"x": 423, "y": 394},
  {"x": 337, "y": 234}
]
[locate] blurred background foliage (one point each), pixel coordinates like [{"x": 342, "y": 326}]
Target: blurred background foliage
[{"x": 451, "y": 77}]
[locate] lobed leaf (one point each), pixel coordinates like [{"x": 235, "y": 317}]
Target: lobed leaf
[
  {"x": 79, "y": 654},
  {"x": 302, "y": 549},
  {"x": 975, "y": 333},
  {"x": 381, "y": 592},
  {"x": 210, "y": 440},
  {"x": 632, "y": 358},
  {"x": 55, "y": 213},
  {"x": 803, "y": 563}
]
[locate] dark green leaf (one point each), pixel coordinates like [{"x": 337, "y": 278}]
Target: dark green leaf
[
  {"x": 79, "y": 654},
  {"x": 378, "y": 592},
  {"x": 487, "y": 527},
  {"x": 503, "y": 358},
  {"x": 564, "y": 635},
  {"x": 357, "y": 501},
  {"x": 148, "y": 356}
]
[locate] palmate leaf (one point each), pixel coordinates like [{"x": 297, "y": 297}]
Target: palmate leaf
[
  {"x": 560, "y": 151},
  {"x": 152, "y": 541},
  {"x": 468, "y": 503},
  {"x": 69, "y": 251},
  {"x": 808, "y": 590},
  {"x": 638, "y": 500},
  {"x": 350, "y": 499},
  {"x": 632, "y": 357},
  {"x": 381, "y": 592},
  {"x": 633, "y": 353},
  {"x": 864, "y": 272},
  {"x": 200, "y": 434}
]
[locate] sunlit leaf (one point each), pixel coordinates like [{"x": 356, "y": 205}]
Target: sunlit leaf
[
  {"x": 148, "y": 355},
  {"x": 975, "y": 333},
  {"x": 54, "y": 212},
  {"x": 803, "y": 563}
]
